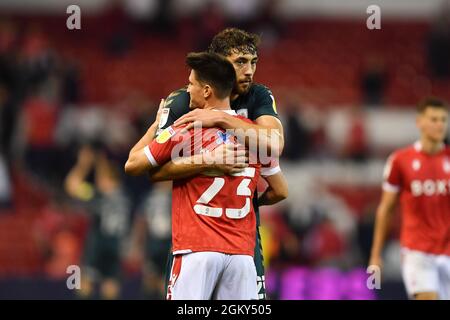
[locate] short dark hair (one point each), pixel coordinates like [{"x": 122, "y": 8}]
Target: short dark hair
[
  {"x": 233, "y": 39},
  {"x": 214, "y": 70},
  {"x": 431, "y": 102}
]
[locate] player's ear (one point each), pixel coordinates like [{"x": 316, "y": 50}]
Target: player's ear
[{"x": 207, "y": 91}]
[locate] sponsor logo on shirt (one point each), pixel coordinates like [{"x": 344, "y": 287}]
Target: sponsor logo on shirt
[
  {"x": 165, "y": 135},
  {"x": 164, "y": 117},
  {"x": 430, "y": 187}
]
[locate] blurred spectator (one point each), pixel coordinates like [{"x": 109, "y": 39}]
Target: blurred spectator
[
  {"x": 142, "y": 10},
  {"x": 153, "y": 15},
  {"x": 119, "y": 44},
  {"x": 318, "y": 215},
  {"x": 39, "y": 120},
  {"x": 297, "y": 138},
  {"x": 242, "y": 14},
  {"x": 269, "y": 24},
  {"x": 356, "y": 146},
  {"x": 324, "y": 245},
  {"x": 71, "y": 84},
  {"x": 164, "y": 21},
  {"x": 110, "y": 211},
  {"x": 373, "y": 80},
  {"x": 38, "y": 60},
  {"x": 140, "y": 110},
  {"x": 439, "y": 43},
  {"x": 10, "y": 87},
  {"x": 59, "y": 237},
  {"x": 209, "y": 22},
  {"x": 111, "y": 127},
  {"x": 314, "y": 119},
  {"x": 119, "y": 34},
  {"x": 285, "y": 249},
  {"x": 5, "y": 184},
  {"x": 153, "y": 237}
]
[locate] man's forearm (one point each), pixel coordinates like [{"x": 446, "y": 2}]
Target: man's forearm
[
  {"x": 179, "y": 169},
  {"x": 75, "y": 179},
  {"x": 146, "y": 139},
  {"x": 266, "y": 199},
  {"x": 270, "y": 197},
  {"x": 382, "y": 223},
  {"x": 137, "y": 163},
  {"x": 254, "y": 135}
]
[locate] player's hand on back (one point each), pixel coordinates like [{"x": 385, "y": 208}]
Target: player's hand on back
[
  {"x": 201, "y": 117},
  {"x": 226, "y": 159}
]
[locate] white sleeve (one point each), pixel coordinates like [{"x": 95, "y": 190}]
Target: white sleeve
[
  {"x": 150, "y": 156},
  {"x": 270, "y": 171}
]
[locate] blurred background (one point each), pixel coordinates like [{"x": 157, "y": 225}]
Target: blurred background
[{"x": 74, "y": 100}]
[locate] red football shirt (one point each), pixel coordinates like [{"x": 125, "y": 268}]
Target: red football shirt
[
  {"x": 209, "y": 213},
  {"x": 423, "y": 181}
]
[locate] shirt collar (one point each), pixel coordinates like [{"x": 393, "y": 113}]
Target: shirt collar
[
  {"x": 418, "y": 146},
  {"x": 229, "y": 111}
]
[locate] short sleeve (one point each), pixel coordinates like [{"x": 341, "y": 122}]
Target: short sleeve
[
  {"x": 392, "y": 174},
  {"x": 265, "y": 104},
  {"x": 175, "y": 106},
  {"x": 159, "y": 151}
]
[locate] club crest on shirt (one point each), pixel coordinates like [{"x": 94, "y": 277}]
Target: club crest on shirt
[
  {"x": 446, "y": 165},
  {"x": 223, "y": 137},
  {"x": 416, "y": 165}
]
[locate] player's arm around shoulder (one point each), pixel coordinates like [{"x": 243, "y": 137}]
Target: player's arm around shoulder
[
  {"x": 266, "y": 121},
  {"x": 176, "y": 105}
]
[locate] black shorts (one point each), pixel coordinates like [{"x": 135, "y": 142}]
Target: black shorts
[{"x": 102, "y": 256}]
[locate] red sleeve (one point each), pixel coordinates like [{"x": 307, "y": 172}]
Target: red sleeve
[
  {"x": 392, "y": 174},
  {"x": 160, "y": 150}
]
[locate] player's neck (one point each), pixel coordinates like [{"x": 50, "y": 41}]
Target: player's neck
[
  {"x": 430, "y": 147},
  {"x": 218, "y": 104}
]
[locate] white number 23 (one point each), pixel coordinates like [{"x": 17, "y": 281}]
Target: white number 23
[{"x": 242, "y": 190}]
